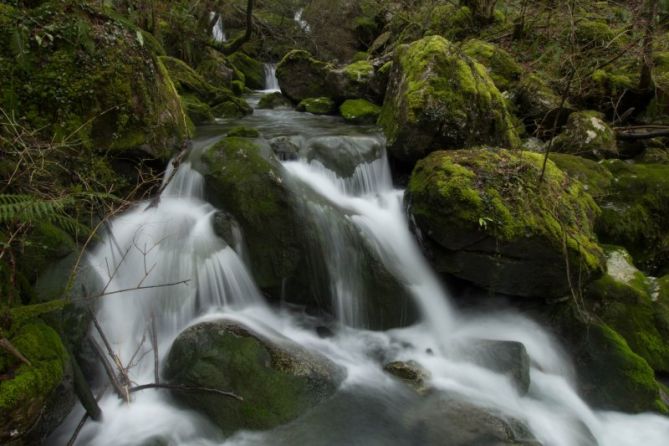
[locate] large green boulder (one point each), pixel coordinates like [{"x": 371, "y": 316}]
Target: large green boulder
[
  {"x": 634, "y": 305},
  {"x": 502, "y": 67},
  {"x": 197, "y": 92},
  {"x": 34, "y": 398},
  {"x": 277, "y": 379},
  {"x": 486, "y": 217},
  {"x": 610, "y": 375},
  {"x": 246, "y": 180},
  {"x": 635, "y": 213},
  {"x": 586, "y": 134},
  {"x": 254, "y": 71},
  {"x": 438, "y": 97},
  {"x": 301, "y": 76},
  {"x": 83, "y": 77}
]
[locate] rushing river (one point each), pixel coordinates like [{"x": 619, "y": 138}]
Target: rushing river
[{"x": 349, "y": 206}]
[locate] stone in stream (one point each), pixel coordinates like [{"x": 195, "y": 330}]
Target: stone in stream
[
  {"x": 278, "y": 379},
  {"x": 509, "y": 358},
  {"x": 410, "y": 372},
  {"x": 484, "y": 217}
]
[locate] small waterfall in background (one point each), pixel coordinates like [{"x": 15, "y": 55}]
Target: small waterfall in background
[
  {"x": 271, "y": 82},
  {"x": 218, "y": 32},
  {"x": 167, "y": 260},
  {"x": 304, "y": 26}
]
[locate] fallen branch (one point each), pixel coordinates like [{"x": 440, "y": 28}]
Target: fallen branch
[
  {"x": 187, "y": 389},
  {"x": 6, "y": 345},
  {"x": 84, "y": 418},
  {"x": 641, "y": 132}
]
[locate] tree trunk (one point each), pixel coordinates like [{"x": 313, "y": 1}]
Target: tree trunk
[
  {"x": 236, "y": 44},
  {"x": 646, "y": 76}
]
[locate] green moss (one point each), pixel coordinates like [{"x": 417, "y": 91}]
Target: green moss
[
  {"x": 359, "y": 111},
  {"x": 317, "y": 106},
  {"x": 595, "y": 177},
  {"x": 595, "y": 32},
  {"x": 451, "y": 22},
  {"x": 635, "y": 213},
  {"x": 359, "y": 71},
  {"x": 441, "y": 98},
  {"x": 360, "y": 56},
  {"x": 254, "y": 71},
  {"x": 497, "y": 193},
  {"x": 243, "y": 132},
  {"x": 273, "y": 100},
  {"x": 502, "y": 67},
  {"x": 198, "y": 111},
  {"x": 23, "y": 397},
  {"x": 586, "y": 134}
]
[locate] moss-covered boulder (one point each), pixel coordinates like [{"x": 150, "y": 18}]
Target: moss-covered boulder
[
  {"x": 634, "y": 305},
  {"x": 79, "y": 75},
  {"x": 273, "y": 100},
  {"x": 609, "y": 374},
  {"x": 487, "y": 218},
  {"x": 635, "y": 213},
  {"x": 301, "y": 76},
  {"x": 198, "y": 111},
  {"x": 586, "y": 134},
  {"x": 246, "y": 180},
  {"x": 277, "y": 379},
  {"x": 254, "y": 71},
  {"x": 438, "y": 97},
  {"x": 359, "y": 111},
  {"x": 191, "y": 84},
  {"x": 317, "y": 106},
  {"x": 34, "y": 398},
  {"x": 595, "y": 177},
  {"x": 243, "y": 132},
  {"x": 502, "y": 67},
  {"x": 218, "y": 71}
]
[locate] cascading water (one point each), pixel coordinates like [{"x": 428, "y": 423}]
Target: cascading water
[
  {"x": 218, "y": 32},
  {"x": 163, "y": 243},
  {"x": 304, "y": 26},
  {"x": 271, "y": 82}
]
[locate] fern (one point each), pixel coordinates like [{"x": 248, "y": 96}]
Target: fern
[{"x": 29, "y": 209}]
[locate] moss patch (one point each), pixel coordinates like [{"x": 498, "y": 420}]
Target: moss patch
[
  {"x": 317, "y": 106},
  {"x": 502, "y": 67},
  {"x": 359, "y": 111}
]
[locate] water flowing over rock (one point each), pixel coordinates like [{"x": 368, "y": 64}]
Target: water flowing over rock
[
  {"x": 486, "y": 218},
  {"x": 278, "y": 379},
  {"x": 439, "y": 98}
]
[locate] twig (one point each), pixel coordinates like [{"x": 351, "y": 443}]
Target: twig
[
  {"x": 6, "y": 345},
  {"x": 110, "y": 372},
  {"x": 154, "y": 344},
  {"x": 187, "y": 389}
]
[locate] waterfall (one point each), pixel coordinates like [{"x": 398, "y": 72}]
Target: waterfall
[
  {"x": 218, "y": 32},
  {"x": 304, "y": 26},
  {"x": 166, "y": 259},
  {"x": 271, "y": 82}
]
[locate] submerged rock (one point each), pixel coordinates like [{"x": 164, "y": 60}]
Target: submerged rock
[
  {"x": 277, "y": 379},
  {"x": 438, "y": 97},
  {"x": 485, "y": 217}
]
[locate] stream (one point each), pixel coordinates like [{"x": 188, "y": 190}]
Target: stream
[{"x": 350, "y": 200}]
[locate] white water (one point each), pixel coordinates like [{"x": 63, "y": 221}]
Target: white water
[
  {"x": 271, "y": 82},
  {"x": 304, "y": 26},
  {"x": 218, "y": 32},
  {"x": 175, "y": 241}
]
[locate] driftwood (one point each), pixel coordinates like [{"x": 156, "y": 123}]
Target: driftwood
[{"x": 641, "y": 132}]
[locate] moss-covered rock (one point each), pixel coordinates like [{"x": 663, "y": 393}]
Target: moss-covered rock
[
  {"x": 243, "y": 132},
  {"x": 317, "y": 106},
  {"x": 502, "y": 67},
  {"x": 609, "y": 374},
  {"x": 438, "y": 97},
  {"x": 586, "y": 134},
  {"x": 451, "y": 21},
  {"x": 273, "y": 100},
  {"x": 254, "y": 71},
  {"x": 277, "y": 379},
  {"x": 301, "y": 76},
  {"x": 487, "y": 218},
  {"x": 596, "y": 178},
  {"x": 635, "y": 213},
  {"x": 90, "y": 78},
  {"x": 359, "y": 111},
  {"x": 246, "y": 180},
  {"x": 198, "y": 111},
  {"x": 634, "y": 306},
  {"x": 36, "y": 399},
  {"x": 189, "y": 82}
]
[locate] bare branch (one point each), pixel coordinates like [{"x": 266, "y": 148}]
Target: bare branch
[{"x": 179, "y": 388}]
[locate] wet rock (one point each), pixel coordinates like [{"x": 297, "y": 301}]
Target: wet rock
[
  {"x": 484, "y": 218},
  {"x": 509, "y": 358},
  {"x": 278, "y": 379},
  {"x": 317, "y": 106},
  {"x": 254, "y": 71},
  {"x": 285, "y": 148},
  {"x": 438, "y": 97},
  {"x": 273, "y": 100},
  {"x": 412, "y": 373},
  {"x": 243, "y": 132},
  {"x": 446, "y": 421},
  {"x": 359, "y": 111}
]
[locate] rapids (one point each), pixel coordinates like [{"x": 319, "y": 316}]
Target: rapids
[{"x": 151, "y": 246}]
